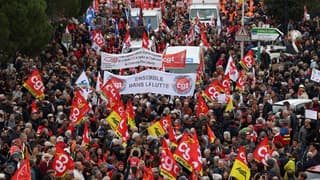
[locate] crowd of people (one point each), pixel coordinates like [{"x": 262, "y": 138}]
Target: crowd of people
[{"x": 293, "y": 139}]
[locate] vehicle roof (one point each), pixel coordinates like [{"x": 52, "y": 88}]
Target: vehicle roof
[
  {"x": 204, "y": 6},
  {"x": 275, "y": 47},
  {"x": 146, "y": 12},
  {"x": 293, "y": 102}
]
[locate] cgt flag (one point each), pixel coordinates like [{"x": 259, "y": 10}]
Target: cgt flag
[
  {"x": 262, "y": 151},
  {"x": 168, "y": 166},
  {"x": 24, "y": 172},
  {"x": 34, "y": 84},
  {"x": 240, "y": 169},
  {"x": 62, "y": 162},
  {"x": 79, "y": 108},
  {"x": 202, "y": 106}
]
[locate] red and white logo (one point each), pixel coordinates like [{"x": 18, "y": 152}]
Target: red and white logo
[
  {"x": 118, "y": 83},
  {"x": 183, "y": 85}
]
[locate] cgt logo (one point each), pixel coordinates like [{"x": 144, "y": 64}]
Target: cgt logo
[
  {"x": 118, "y": 83},
  {"x": 111, "y": 60},
  {"x": 183, "y": 85}
]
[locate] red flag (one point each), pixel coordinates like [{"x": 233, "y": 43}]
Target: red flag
[
  {"x": 126, "y": 41},
  {"x": 145, "y": 40},
  {"x": 195, "y": 154},
  {"x": 202, "y": 106},
  {"x": 24, "y": 172},
  {"x": 262, "y": 151},
  {"x": 123, "y": 131},
  {"x": 98, "y": 39},
  {"x": 34, "y": 107},
  {"x": 241, "y": 156},
  {"x": 204, "y": 39},
  {"x": 168, "y": 166},
  {"x": 79, "y": 108},
  {"x": 248, "y": 61},
  {"x": 226, "y": 83},
  {"x": 110, "y": 93},
  {"x": 34, "y": 84},
  {"x": 190, "y": 36},
  {"x": 131, "y": 113},
  {"x": 148, "y": 175},
  {"x": 166, "y": 123},
  {"x": 211, "y": 135},
  {"x": 164, "y": 25},
  {"x": 85, "y": 135},
  {"x": 240, "y": 169},
  {"x": 240, "y": 82},
  {"x": 62, "y": 162},
  {"x": 213, "y": 91},
  {"x": 182, "y": 152},
  {"x": 174, "y": 60}
]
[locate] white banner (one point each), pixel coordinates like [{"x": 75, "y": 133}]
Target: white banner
[
  {"x": 153, "y": 81},
  {"x": 141, "y": 57}
]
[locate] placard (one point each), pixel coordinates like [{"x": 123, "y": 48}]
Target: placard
[
  {"x": 310, "y": 114},
  {"x": 315, "y": 75}
]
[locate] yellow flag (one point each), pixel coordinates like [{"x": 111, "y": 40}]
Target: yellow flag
[
  {"x": 229, "y": 105},
  {"x": 156, "y": 129},
  {"x": 240, "y": 171},
  {"x": 113, "y": 119}
]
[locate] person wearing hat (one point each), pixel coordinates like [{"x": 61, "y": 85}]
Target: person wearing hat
[
  {"x": 302, "y": 94},
  {"x": 45, "y": 163}
]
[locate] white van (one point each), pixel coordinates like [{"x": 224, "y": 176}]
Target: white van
[
  {"x": 205, "y": 9},
  {"x": 149, "y": 15}
]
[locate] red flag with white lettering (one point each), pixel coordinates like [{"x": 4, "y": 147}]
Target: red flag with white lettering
[
  {"x": 195, "y": 154},
  {"x": 202, "y": 106},
  {"x": 98, "y": 40},
  {"x": 240, "y": 82},
  {"x": 145, "y": 40},
  {"x": 110, "y": 93},
  {"x": 175, "y": 60},
  {"x": 212, "y": 91},
  {"x": 248, "y": 61},
  {"x": 79, "y": 108},
  {"x": 85, "y": 135},
  {"x": 166, "y": 124},
  {"x": 182, "y": 152},
  {"x": 34, "y": 84},
  {"x": 62, "y": 162},
  {"x": 168, "y": 166},
  {"x": 262, "y": 151},
  {"x": 24, "y": 172}
]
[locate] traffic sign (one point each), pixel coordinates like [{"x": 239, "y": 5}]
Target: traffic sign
[
  {"x": 242, "y": 35},
  {"x": 265, "y": 34}
]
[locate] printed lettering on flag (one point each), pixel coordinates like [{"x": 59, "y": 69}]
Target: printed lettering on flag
[
  {"x": 79, "y": 108},
  {"x": 175, "y": 60},
  {"x": 62, "y": 162},
  {"x": 168, "y": 166},
  {"x": 35, "y": 85}
]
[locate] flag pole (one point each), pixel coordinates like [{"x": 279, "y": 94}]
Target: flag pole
[{"x": 242, "y": 25}]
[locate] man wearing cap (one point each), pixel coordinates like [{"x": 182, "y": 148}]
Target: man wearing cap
[{"x": 302, "y": 94}]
